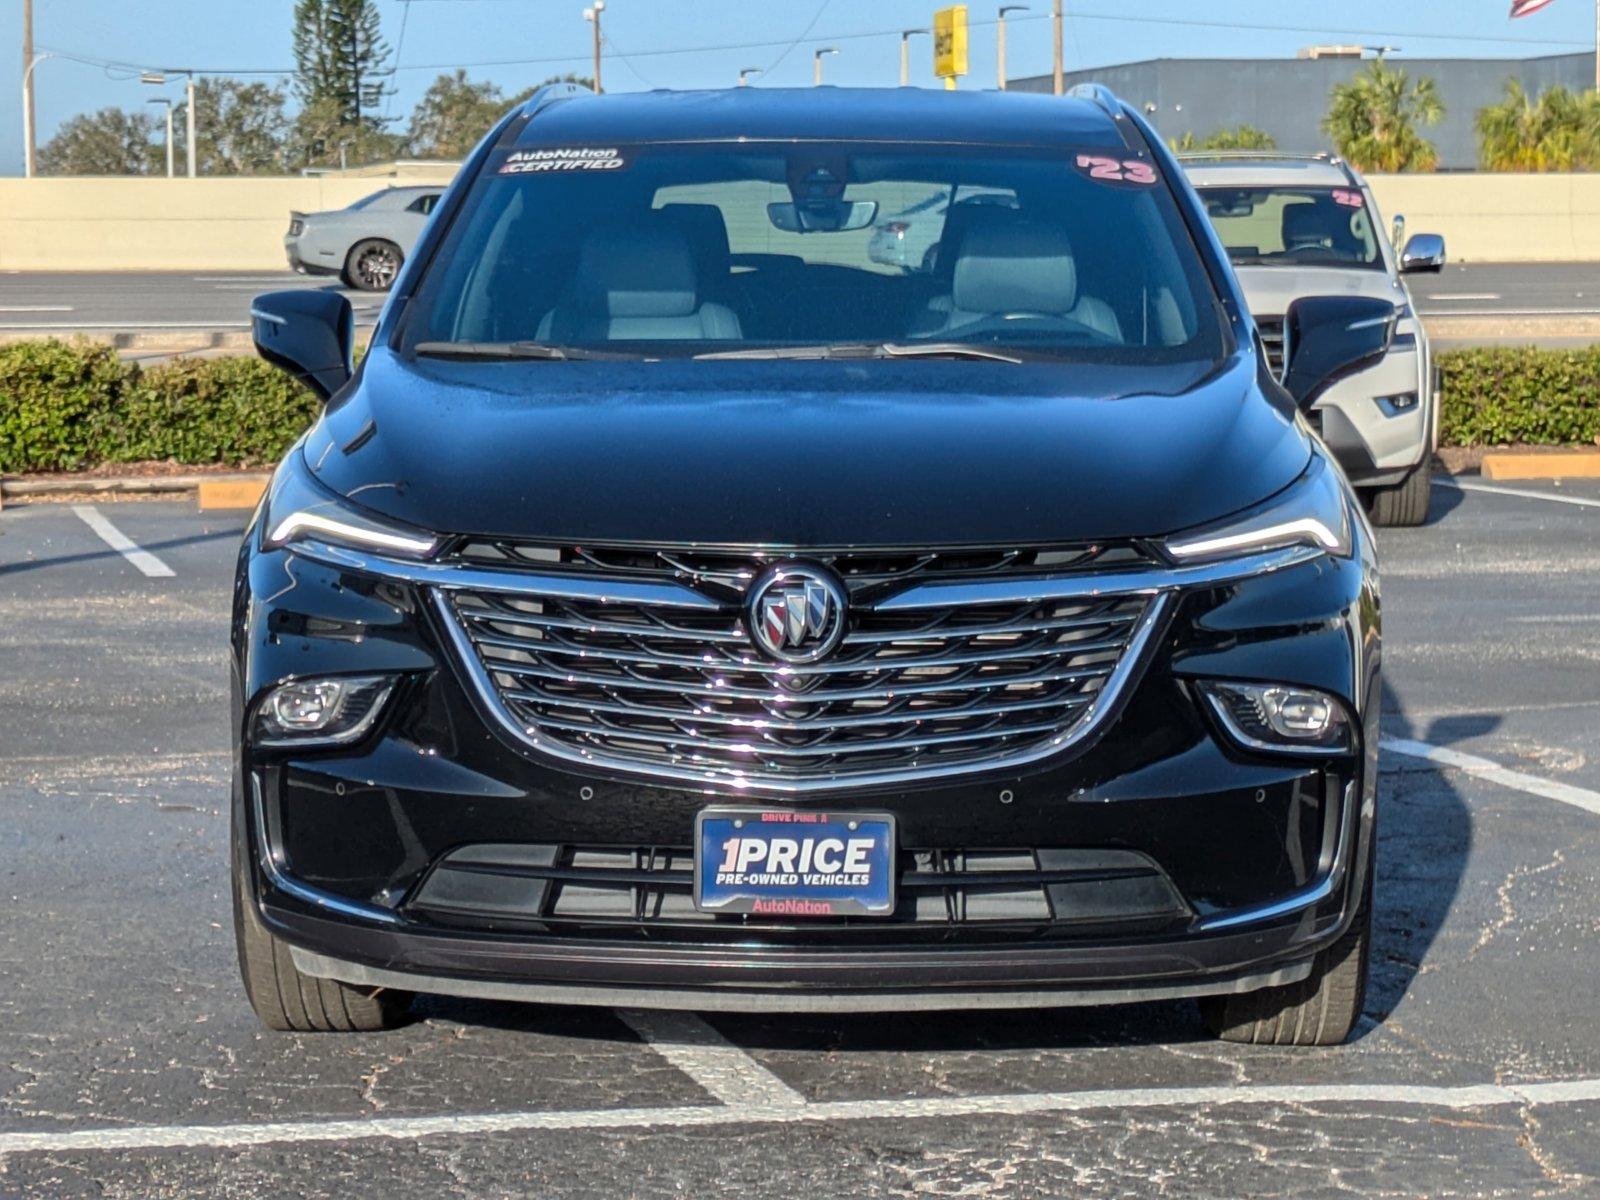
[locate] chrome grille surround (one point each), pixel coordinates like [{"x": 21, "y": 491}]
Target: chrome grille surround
[{"x": 683, "y": 693}]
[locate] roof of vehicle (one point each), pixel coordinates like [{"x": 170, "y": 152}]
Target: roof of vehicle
[
  {"x": 1221, "y": 169},
  {"x": 821, "y": 113}
]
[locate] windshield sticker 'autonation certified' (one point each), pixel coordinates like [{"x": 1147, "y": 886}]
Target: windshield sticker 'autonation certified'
[{"x": 552, "y": 159}]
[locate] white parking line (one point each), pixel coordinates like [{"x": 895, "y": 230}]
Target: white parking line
[
  {"x": 1484, "y": 768},
  {"x": 709, "y": 1059},
  {"x": 1118, "y": 1101},
  {"x": 31, "y": 308},
  {"x": 108, "y": 533},
  {"x": 1465, "y": 296},
  {"x": 87, "y": 323},
  {"x": 1580, "y": 501}
]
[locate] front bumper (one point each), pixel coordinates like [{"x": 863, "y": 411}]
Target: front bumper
[{"x": 1264, "y": 856}]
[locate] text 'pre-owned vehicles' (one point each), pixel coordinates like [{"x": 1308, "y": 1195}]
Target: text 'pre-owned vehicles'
[
  {"x": 1295, "y": 226},
  {"x": 680, "y": 606}
]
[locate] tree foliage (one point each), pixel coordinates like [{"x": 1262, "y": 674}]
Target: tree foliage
[
  {"x": 453, "y": 114},
  {"x": 240, "y": 128},
  {"x": 112, "y": 141},
  {"x": 1374, "y": 119},
  {"x": 1560, "y": 131},
  {"x": 1241, "y": 137},
  {"x": 341, "y": 59}
]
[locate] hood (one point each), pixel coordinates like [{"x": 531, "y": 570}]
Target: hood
[
  {"x": 805, "y": 453},
  {"x": 1270, "y": 290}
]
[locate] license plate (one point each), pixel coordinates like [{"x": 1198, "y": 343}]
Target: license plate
[{"x": 794, "y": 864}]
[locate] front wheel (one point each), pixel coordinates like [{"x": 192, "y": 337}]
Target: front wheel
[
  {"x": 287, "y": 999},
  {"x": 1404, "y": 505},
  {"x": 372, "y": 265},
  {"x": 1320, "y": 1010}
]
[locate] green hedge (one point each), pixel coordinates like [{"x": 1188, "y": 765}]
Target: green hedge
[
  {"x": 1505, "y": 395},
  {"x": 66, "y": 405}
]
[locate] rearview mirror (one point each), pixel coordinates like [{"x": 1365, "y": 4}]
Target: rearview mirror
[
  {"x": 307, "y": 332},
  {"x": 1424, "y": 252},
  {"x": 1326, "y": 338},
  {"x": 822, "y": 216}
]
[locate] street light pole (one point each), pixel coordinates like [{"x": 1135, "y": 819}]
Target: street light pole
[
  {"x": 905, "y": 54},
  {"x": 188, "y": 127},
  {"x": 592, "y": 15},
  {"x": 1000, "y": 40},
  {"x": 1060, "y": 54},
  {"x": 816, "y": 64},
  {"x": 28, "y": 63},
  {"x": 168, "y": 104}
]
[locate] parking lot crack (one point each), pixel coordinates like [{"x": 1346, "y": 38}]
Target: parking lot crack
[
  {"x": 1506, "y": 901},
  {"x": 1565, "y": 1181}
]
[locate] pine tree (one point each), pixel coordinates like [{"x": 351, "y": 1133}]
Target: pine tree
[{"x": 341, "y": 59}]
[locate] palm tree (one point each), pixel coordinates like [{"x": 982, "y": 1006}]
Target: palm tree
[
  {"x": 1373, "y": 119},
  {"x": 1558, "y": 132}
]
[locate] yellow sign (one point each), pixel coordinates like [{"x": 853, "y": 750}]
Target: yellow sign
[{"x": 950, "y": 43}]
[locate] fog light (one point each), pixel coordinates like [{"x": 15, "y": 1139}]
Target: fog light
[
  {"x": 321, "y": 712},
  {"x": 1393, "y": 406},
  {"x": 1280, "y": 718}
]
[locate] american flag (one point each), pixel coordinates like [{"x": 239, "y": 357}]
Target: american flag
[{"x": 1523, "y": 8}]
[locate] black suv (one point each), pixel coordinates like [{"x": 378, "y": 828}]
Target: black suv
[{"x": 681, "y": 606}]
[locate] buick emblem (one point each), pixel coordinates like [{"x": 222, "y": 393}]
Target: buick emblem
[{"x": 795, "y": 613}]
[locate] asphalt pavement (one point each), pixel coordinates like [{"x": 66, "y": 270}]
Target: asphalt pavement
[
  {"x": 131, "y": 1065},
  {"x": 57, "y": 302}
]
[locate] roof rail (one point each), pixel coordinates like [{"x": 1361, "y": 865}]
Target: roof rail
[
  {"x": 1260, "y": 155},
  {"x": 1097, "y": 94}
]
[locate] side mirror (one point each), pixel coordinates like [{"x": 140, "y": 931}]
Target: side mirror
[
  {"x": 309, "y": 333},
  {"x": 1326, "y": 338},
  {"x": 1424, "y": 252}
]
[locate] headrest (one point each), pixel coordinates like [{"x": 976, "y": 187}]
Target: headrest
[
  {"x": 636, "y": 271},
  {"x": 1304, "y": 226},
  {"x": 959, "y": 221},
  {"x": 1015, "y": 265},
  {"x": 707, "y": 231}
]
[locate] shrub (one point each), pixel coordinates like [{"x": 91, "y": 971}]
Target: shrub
[
  {"x": 66, "y": 405},
  {"x": 1499, "y": 395}
]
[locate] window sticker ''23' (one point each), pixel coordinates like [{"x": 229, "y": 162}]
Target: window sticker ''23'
[{"x": 1104, "y": 169}]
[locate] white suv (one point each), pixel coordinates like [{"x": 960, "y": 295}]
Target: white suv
[{"x": 1308, "y": 226}]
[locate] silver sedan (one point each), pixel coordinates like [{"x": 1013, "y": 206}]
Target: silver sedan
[{"x": 365, "y": 243}]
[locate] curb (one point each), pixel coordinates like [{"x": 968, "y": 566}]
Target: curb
[
  {"x": 234, "y": 490},
  {"x": 1578, "y": 464}
]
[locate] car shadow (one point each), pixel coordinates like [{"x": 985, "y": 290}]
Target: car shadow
[{"x": 1424, "y": 837}]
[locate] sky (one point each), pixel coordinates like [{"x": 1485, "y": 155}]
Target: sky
[{"x": 519, "y": 42}]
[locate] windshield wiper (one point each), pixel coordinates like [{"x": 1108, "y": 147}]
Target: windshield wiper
[
  {"x": 851, "y": 350},
  {"x": 533, "y": 351}
]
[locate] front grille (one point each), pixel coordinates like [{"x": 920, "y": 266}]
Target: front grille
[
  {"x": 1271, "y": 330},
  {"x": 683, "y": 693},
  {"x": 595, "y": 888}
]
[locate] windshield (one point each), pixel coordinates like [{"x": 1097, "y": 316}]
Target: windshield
[
  {"x": 1294, "y": 226},
  {"x": 672, "y": 249}
]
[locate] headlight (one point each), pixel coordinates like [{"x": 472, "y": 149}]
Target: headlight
[
  {"x": 332, "y": 711},
  {"x": 299, "y": 509},
  {"x": 1312, "y": 511}
]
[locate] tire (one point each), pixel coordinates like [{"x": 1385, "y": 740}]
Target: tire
[
  {"x": 290, "y": 1001},
  {"x": 1320, "y": 1010},
  {"x": 372, "y": 265},
  {"x": 1405, "y": 505}
]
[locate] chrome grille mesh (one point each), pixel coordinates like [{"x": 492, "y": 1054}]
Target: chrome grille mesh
[{"x": 684, "y": 693}]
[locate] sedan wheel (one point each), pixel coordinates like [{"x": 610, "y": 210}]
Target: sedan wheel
[{"x": 373, "y": 265}]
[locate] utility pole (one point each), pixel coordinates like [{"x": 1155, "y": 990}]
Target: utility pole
[
  {"x": 1057, "y": 36},
  {"x": 167, "y": 104},
  {"x": 592, "y": 15},
  {"x": 27, "y": 88},
  {"x": 816, "y": 64},
  {"x": 1000, "y": 40},
  {"x": 188, "y": 128},
  {"x": 905, "y": 53}
]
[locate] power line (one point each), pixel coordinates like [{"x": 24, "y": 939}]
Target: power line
[{"x": 789, "y": 44}]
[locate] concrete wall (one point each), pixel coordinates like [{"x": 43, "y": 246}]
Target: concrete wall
[
  {"x": 160, "y": 224},
  {"x": 238, "y": 224}
]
